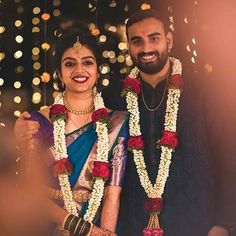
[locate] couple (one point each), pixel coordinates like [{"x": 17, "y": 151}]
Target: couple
[{"x": 167, "y": 142}]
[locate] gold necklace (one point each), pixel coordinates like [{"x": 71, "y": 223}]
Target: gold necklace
[
  {"x": 144, "y": 102},
  {"x": 78, "y": 112}
]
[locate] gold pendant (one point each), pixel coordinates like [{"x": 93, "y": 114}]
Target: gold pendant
[{"x": 77, "y": 45}]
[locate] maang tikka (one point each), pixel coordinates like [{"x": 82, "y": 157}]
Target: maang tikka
[{"x": 77, "y": 45}]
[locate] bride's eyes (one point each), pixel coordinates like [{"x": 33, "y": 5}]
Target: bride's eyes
[
  {"x": 69, "y": 63},
  {"x": 72, "y": 63},
  {"x": 88, "y": 62}
]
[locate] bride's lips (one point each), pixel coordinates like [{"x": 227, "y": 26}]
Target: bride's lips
[{"x": 80, "y": 79}]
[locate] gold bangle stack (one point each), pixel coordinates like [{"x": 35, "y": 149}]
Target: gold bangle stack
[{"x": 77, "y": 226}]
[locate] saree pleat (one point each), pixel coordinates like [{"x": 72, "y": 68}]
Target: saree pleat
[{"x": 79, "y": 150}]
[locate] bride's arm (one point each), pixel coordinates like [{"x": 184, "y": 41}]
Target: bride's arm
[
  {"x": 111, "y": 200},
  {"x": 110, "y": 209}
]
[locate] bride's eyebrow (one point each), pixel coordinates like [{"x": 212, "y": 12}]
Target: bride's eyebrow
[
  {"x": 88, "y": 57},
  {"x": 66, "y": 58}
]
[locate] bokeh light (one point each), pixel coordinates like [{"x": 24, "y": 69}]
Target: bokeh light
[
  {"x": 36, "y": 10},
  {"x": 17, "y": 84},
  {"x": 18, "y": 23},
  {"x": 35, "y": 21},
  {"x": 45, "y": 77},
  {"x": 145, "y": 6},
  {"x": 122, "y": 46},
  {"x": 20, "y": 10},
  {"x": 56, "y": 12},
  {"x": 36, "y": 65},
  {"x": 36, "y": 81},
  {"x": 35, "y": 51},
  {"x": 36, "y": 98},
  {"x": 45, "y": 46},
  {"x": 18, "y": 54},
  {"x": 103, "y": 38},
  {"x": 45, "y": 16},
  {"x": 2, "y": 56},
  {"x": 19, "y": 69},
  {"x": 2, "y": 29},
  {"x": 1, "y": 81},
  {"x": 19, "y": 39},
  {"x": 17, "y": 99},
  {"x": 17, "y": 113},
  {"x": 35, "y": 29},
  {"x": 56, "y": 3}
]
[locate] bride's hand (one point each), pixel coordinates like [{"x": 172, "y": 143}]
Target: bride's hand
[{"x": 101, "y": 232}]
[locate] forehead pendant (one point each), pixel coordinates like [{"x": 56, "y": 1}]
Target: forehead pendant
[{"x": 77, "y": 45}]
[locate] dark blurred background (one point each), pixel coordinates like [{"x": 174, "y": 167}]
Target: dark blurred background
[{"x": 204, "y": 32}]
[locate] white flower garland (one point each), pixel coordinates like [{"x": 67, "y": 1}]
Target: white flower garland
[
  {"x": 102, "y": 155},
  {"x": 61, "y": 152},
  {"x": 156, "y": 190}
]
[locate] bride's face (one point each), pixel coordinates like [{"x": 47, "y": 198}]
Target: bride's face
[{"x": 79, "y": 70}]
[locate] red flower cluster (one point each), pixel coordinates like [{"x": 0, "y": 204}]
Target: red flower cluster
[
  {"x": 62, "y": 166},
  {"x": 57, "y": 111},
  {"x": 153, "y": 205},
  {"x": 101, "y": 169},
  {"x": 169, "y": 138},
  {"x": 135, "y": 142},
  {"x": 102, "y": 116},
  {"x": 99, "y": 114},
  {"x": 176, "y": 81},
  {"x": 153, "y": 232},
  {"x": 132, "y": 84}
]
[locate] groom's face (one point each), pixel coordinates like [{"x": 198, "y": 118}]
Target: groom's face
[{"x": 149, "y": 45}]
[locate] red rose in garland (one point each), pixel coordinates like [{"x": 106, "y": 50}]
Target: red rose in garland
[
  {"x": 169, "y": 138},
  {"x": 101, "y": 169},
  {"x": 62, "y": 166},
  {"x": 135, "y": 142},
  {"x": 131, "y": 84},
  {"x": 102, "y": 116},
  {"x": 153, "y": 205},
  {"x": 57, "y": 111},
  {"x": 98, "y": 114},
  {"x": 176, "y": 81}
]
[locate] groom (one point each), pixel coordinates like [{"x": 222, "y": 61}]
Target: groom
[{"x": 189, "y": 206}]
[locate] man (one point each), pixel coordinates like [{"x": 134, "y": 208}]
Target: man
[
  {"x": 188, "y": 208},
  {"x": 188, "y": 195}
]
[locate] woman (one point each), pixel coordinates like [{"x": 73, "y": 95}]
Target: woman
[{"x": 94, "y": 137}]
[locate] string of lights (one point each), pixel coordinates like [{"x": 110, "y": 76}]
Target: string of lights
[{"x": 28, "y": 37}]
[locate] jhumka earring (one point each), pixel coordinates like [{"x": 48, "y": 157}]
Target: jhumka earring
[{"x": 77, "y": 45}]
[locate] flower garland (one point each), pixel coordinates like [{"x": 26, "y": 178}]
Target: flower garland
[
  {"x": 63, "y": 167},
  {"x": 168, "y": 142}
]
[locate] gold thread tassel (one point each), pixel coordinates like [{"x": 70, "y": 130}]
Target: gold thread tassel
[
  {"x": 153, "y": 206},
  {"x": 153, "y": 228}
]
